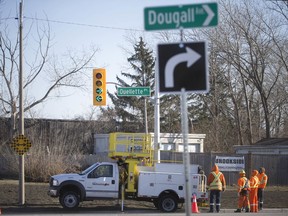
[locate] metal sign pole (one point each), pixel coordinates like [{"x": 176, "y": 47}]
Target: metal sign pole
[
  {"x": 186, "y": 156},
  {"x": 157, "y": 118},
  {"x": 122, "y": 197},
  {"x": 21, "y": 109}
]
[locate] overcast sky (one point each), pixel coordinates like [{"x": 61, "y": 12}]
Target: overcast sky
[{"x": 104, "y": 23}]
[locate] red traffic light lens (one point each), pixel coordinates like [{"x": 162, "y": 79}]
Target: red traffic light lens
[{"x": 98, "y": 75}]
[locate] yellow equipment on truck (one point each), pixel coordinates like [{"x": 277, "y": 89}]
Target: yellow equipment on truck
[{"x": 130, "y": 150}]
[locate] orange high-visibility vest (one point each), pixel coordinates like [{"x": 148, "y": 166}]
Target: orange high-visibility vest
[
  {"x": 216, "y": 184},
  {"x": 262, "y": 180},
  {"x": 254, "y": 181},
  {"x": 243, "y": 184}
]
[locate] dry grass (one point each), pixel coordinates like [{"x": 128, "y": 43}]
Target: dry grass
[{"x": 36, "y": 196}]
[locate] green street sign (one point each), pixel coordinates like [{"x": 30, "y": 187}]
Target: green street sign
[
  {"x": 133, "y": 91},
  {"x": 181, "y": 16}
]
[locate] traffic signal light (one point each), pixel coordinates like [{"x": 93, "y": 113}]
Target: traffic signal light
[{"x": 99, "y": 87}]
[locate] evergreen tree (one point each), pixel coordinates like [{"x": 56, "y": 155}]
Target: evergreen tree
[
  {"x": 170, "y": 112},
  {"x": 130, "y": 111}
]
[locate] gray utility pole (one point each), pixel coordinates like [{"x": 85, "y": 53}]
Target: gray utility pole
[{"x": 21, "y": 110}]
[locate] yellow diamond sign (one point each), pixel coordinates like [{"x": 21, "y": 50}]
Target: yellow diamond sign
[{"x": 21, "y": 144}]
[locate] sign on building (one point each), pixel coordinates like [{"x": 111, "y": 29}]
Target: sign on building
[{"x": 230, "y": 163}]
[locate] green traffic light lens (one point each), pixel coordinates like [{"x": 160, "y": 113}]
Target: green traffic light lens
[
  {"x": 99, "y": 90},
  {"x": 99, "y": 98}
]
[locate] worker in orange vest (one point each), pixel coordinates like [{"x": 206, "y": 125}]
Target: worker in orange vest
[
  {"x": 216, "y": 183},
  {"x": 243, "y": 193},
  {"x": 254, "y": 181},
  {"x": 263, "y": 178}
]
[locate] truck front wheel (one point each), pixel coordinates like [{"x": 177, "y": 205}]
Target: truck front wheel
[
  {"x": 168, "y": 203},
  {"x": 69, "y": 200},
  {"x": 156, "y": 203}
]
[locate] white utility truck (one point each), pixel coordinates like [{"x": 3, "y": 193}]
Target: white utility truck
[{"x": 131, "y": 176}]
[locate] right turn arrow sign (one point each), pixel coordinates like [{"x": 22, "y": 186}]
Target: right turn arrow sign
[
  {"x": 182, "y": 65},
  {"x": 190, "y": 56}
]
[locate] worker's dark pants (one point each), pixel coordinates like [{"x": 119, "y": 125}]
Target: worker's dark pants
[
  {"x": 260, "y": 198},
  {"x": 215, "y": 194}
]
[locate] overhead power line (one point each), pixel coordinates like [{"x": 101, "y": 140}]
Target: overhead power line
[
  {"x": 74, "y": 23},
  {"x": 7, "y": 18},
  {"x": 83, "y": 24}
]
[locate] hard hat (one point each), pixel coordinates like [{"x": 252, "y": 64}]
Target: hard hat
[{"x": 242, "y": 171}]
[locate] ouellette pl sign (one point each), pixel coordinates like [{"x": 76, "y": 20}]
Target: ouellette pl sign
[{"x": 133, "y": 91}]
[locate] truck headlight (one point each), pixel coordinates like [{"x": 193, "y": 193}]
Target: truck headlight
[{"x": 55, "y": 182}]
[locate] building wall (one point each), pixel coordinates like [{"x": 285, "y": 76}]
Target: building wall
[
  {"x": 174, "y": 142},
  {"x": 168, "y": 142},
  {"x": 272, "y": 150}
]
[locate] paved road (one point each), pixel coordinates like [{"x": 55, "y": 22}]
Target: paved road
[{"x": 225, "y": 212}]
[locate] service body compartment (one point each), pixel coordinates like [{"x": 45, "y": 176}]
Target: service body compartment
[{"x": 151, "y": 184}]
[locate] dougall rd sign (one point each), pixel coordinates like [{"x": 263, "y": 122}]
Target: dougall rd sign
[{"x": 181, "y": 16}]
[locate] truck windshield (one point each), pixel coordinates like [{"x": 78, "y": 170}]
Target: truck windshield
[{"x": 89, "y": 169}]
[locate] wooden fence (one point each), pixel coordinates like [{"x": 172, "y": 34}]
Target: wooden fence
[{"x": 276, "y": 165}]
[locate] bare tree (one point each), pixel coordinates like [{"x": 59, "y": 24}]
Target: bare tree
[
  {"x": 251, "y": 48},
  {"x": 248, "y": 71},
  {"x": 280, "y": 6},
  {"x": 44, "y": 73}
]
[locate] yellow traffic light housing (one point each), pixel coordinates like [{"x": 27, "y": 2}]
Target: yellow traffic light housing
[{"x": 99, "y": 87}]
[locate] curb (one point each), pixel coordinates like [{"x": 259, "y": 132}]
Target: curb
[{"x": 270, "y": 210}]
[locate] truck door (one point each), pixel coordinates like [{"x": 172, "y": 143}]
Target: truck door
[{"x": 102, "y": 182}]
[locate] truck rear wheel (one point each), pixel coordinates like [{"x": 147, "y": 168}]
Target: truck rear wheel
[
  {"x": 168, "y": 203},
  {"x": 69, "y": 200}
]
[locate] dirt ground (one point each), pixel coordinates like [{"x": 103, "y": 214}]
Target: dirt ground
[{"x": 36, "y": 199}]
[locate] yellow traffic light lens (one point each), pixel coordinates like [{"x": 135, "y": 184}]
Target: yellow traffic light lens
[
  {"x": 98, "y": 75},
  {"x": 98, "y": 83}
]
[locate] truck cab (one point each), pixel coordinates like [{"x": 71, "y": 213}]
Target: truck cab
[{"x": 99, "y": 181}]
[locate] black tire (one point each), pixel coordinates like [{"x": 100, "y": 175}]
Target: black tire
[
  {"x": 156, "y": 203},
  {"x": 168, "y": 203},
  {"x": 69, "y": 200}
]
